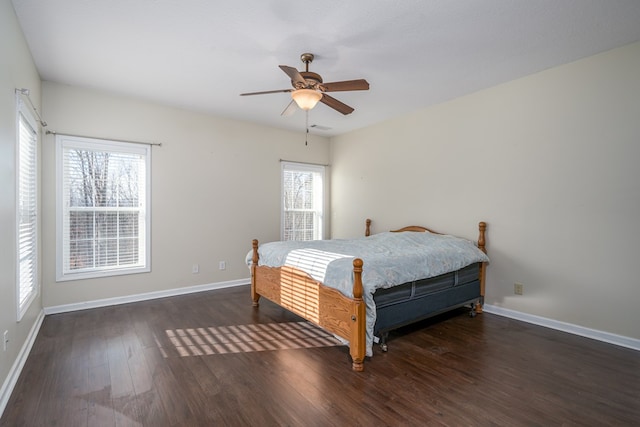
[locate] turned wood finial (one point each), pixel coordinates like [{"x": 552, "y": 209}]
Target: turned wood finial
[
  {"x": 254, "y": 259},
  {"x": 482, "y": 226},
  {"x": 367, "y": 231},
  {"x": 357, "y": 278}
]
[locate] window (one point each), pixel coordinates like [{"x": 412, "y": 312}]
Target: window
[
  {"x": 103, "y": 194},
  {"x": 27, "y": 209},
  {"x": 302, "y": 201}
]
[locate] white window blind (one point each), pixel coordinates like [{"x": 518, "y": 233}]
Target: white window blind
[
  {"x": 103, "y": 207},
  {"x": 27, "y": 210},
  {"x": 302, "y": 201}
]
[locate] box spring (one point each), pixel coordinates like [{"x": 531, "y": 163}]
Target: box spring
[{"x": 414, "y": 301}]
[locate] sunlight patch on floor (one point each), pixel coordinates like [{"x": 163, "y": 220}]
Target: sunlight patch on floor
[{"x": 244, "y": 339}]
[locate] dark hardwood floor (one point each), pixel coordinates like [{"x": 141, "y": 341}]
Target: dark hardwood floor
[{"x": 210, "y": 359}]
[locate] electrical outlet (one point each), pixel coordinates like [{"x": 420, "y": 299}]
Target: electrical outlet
[
  {"x": 195, "y": 269},
  {"x": 518, "y": 288},
  {"x": 223, "y": 265},
  {"x": 5, "y": 340}
]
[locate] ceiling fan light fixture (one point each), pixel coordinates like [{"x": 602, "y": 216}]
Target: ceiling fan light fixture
[{"x": 306, "y": 98}]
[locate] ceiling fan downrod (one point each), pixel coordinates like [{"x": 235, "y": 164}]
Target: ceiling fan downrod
[{"x": 307, "y": 58}]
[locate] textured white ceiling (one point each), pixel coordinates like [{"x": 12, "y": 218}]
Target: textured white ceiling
[{"x": 201, "y": 54}]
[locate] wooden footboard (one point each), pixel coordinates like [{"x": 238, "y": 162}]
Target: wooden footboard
[{"x": 326, "y": 307}]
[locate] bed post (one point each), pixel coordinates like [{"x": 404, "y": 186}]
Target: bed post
[
  {"x": 482, "y": 226},
  {"x": 367, "y": 231},
  {"x": 254, "y": 263},
  {"x": 357, "y": 341}
]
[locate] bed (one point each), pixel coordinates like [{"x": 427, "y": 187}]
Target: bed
[{"x": 410, "y": 274}]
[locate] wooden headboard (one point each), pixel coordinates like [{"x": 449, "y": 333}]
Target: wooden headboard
[
  {"x": 418, "y": 228},
  {"x": 482, "y": 226}
]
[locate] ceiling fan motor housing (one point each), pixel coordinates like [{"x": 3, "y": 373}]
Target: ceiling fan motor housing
[{"x": 313, "y": 80}]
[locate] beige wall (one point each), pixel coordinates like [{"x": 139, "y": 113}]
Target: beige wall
[
  {"x": 215, "y": 186},
  {"x": 550, "y": 161},
  {"x": 17, "y": 70}
]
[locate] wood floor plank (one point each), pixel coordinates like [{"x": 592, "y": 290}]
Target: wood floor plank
[
  {"x": 151, "y": 364},
  {"x": 100, "y": 410}
]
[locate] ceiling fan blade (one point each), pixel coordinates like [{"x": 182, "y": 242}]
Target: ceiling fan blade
[
  {"x": 265, "y": 92},
  {"x": 294, "y": 75},
  {"x": 290, "y": 109},
  {"x": 335, "y": 104},
  {"x": 360, "y": 84}
]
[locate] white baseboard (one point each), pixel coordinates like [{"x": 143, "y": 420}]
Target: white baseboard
[
  {"x": 595, "y": 334},
  {"x": 607, "y": 337},
  {"x": 16, "y": 369},
  {"x": 142, "y": 297}
]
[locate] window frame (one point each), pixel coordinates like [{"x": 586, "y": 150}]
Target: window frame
[
  {"x": 64, "y": 142},
  {"x": 23, "y": 304},
  {"x": 305, "y": 167}
]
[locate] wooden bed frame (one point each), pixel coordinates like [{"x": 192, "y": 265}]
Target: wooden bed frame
[{"x": 326, "y": 307}]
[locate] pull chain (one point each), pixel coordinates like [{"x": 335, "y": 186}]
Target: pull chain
[{"x": 306, "y": 135}]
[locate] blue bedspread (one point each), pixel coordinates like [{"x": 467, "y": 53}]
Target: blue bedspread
[{"x": 389, "y": 258}]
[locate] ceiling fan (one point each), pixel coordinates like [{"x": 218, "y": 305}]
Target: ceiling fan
[{"x": 309, "y": 89}]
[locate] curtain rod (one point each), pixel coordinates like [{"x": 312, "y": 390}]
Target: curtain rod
[
  {"x": 53, "y": 132},
  {"x": 25, "y": 92},
  {"x": 304, "y": 163}
]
